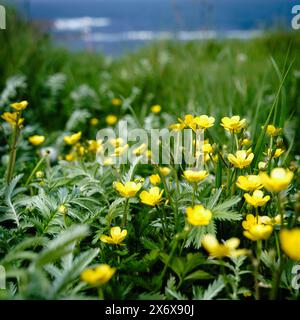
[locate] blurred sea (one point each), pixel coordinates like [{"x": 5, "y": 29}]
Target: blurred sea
[{"x": 115, "y": 26}]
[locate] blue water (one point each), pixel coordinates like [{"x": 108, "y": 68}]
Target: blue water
[{"x": 115, "y": 26}]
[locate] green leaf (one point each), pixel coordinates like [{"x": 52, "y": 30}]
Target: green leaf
[
  {"x": 59, "y": 247},
  {"x": 227, "y": 215},
  {"x": 213, "y": 289},
  {"x": 74, "y": 270},
  {"x": 198, "y": 275}
]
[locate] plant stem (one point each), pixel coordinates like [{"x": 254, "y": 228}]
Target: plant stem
[
  {"x": 195, "y": 187},
  {"x": 224, "y": 275},
  {"x": 278, "y": 271},
  {"x": 124, "y": 221},
  {"x": 13, "y": 151},
  {"x": 100, "y": 293},
  {"x": 35, "y": 169},
  {"x": 169, "y": 258},
  {"x": 162, "y": 218},
  {"x": 232, "y": 142},
  {"x": 256, "y": 264}
]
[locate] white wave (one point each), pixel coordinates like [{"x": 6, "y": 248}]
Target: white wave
[
  {"x": 127, "y": 36},
  {"x": 181, "y": 35},
  {"x": 80, "y": 24},
  {"x": 242, "y": 34},
  {"x": 196, "y": 35}
]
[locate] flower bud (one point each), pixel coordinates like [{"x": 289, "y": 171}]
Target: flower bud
[
  {"x": 279, "y": 142},
  {"x": 39, "y": 174},
  {"x": 262, "y": 165},
  {"x": 62, "y": 209}
]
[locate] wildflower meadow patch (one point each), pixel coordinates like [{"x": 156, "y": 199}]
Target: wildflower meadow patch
[{"x": 168, "y": 174}]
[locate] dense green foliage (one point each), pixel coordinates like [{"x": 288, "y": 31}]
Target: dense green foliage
[{"x": 45, "y": 250}]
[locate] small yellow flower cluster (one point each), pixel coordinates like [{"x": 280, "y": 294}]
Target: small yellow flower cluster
[
  {"x": 261, "y": 227},
  {"x": 189, "y": 121},
  {"x": 78, "y": 149},
  {"x": 14, "y": 118}
]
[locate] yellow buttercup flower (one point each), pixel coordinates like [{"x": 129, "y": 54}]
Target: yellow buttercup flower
[
  {"x": 278, "y": 152},
  {"x": 140, "y": 149},
  {"x": 290, "y": 243},
  {"x": 152, "y": 197},
  {"x": 116, "y": 102},
  {"x": 222, "y": 250},
  {"x": 241, "y": 159},
  {"x": 116, "y": 142},
  {"x": 12, "y": 118},
  {"x": 277, "y": 220},
  {"x": 273, "y": 131},
  {"x": 36, "y": 140},
  {"x": 233, "y": 124},
  {"x": 164, "y": 170},
  {"x": 80, "y": 150},
  {"x": 119, "y": 151},
  {"x": 19, "y": 106},
  {"x": 258, "y": 232},
  {"x": 257, "y": 199},
  {"x": 198, "y": 215},
  {"x": 249, "y": 183},
  {"x": 70, "y": 157},
  {"x": 116, "y": 236},
  {"x": 195, "y": 176},
  {"x": 94, "y": 121},
  {"x": 246, "y": 142},
  {"x": 177, "y": 126},
  {"x": 250, "y": 221},
  {"x": 207, "y": 147},
  {"x": 204, "y": 121},
  {"x": 94, "y": 146},
  {"x": 73, "y": 139},
  {"x": 278, "y": 180},
  {"x": 188, "y": 121},
  {"x": 155, "y": 179},
  {"x": 127, "y": 190},
  {"x": 255, "y": 229},
  {"x": 156, "y": 108},
  {"x": 111, "y": 119},
  {"x": 98, "y": 276}
]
